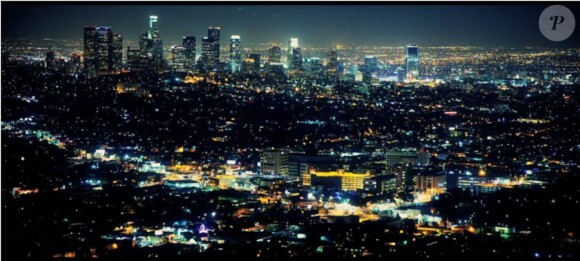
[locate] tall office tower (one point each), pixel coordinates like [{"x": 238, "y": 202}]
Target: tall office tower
[
  {"x": 178, "y": 58},
  {"x": 99, "y": 50},
  {"x": 314, "y": 65},
  {"x": 412, "y": 61},
  {"x": 248, "y": 66},
  {"x": 141, "y": 59},
  {"x": 206, "y": 51},
  {"x": 275, "y": 55},
  {"x": 400, "y": 74},
  {"x": 157, "y": 44},
  {"x": 133, "y": 59},
  {"x": 235, "y": 54},
  {"x": 117, "y": 52},
  {"x": 213, "y": 32},
  {"x": 50, "y": 60},
  {"x": 256, "y": 58},
  {"x": 90, "y": 51},
  {"x": 274, "y": 162},
  {"x": 145, "y": 44},
  {"x": 370, "y": 64},
  {"x": 292, "y": 43},
  {"x": 296, "y": 58},
  {"x": 157, "y": 62},
  {"x": 153, "y": 27},
  {"x": 213, "y": 53},
  {"x": 188, "y": 44},
  {"x": 74, "y": 64},
  {"x": 331, "y": 62}
]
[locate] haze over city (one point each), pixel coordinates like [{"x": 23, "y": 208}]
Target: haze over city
[{"x": 382, "y": 25}]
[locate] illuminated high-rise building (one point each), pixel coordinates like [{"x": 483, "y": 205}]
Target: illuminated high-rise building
[
  {"x": 213, "y": 32},
  {"x": 206, "y": 52},
  {"x": 141, "y": 58},
  {"x": 178, "y": 59},
  {"x": 275, "y": 55},
  {"x": 296, "y": 58},
  {"x": 145, "y": 44},
  {"x": 188, "y": 44},
  {"x": 153, "y": 27},
  {"x": 370, "y": 64},
  {"x": 95, "y": 45},
  {"x": 251, "y": 64},
  {"x": 212, "y": 51},
  {"x": 117, "y": 52},
  {"x": 400, "y": 74},
  {"x": 133, "y": 58},
  {"x": 74, "y": 64},
  {"x": 149, "y": 56},
  {"x": 235, "y": 53},
  {"x": 331, "y": 62},
  {"x": 412, "y": 61},
  {"x": 370, "y": 67},
  {"x": 101, "y": 50},
  {"x": 256, "y": 58},
  {"x": 157, "y": 44},
  {"x": 292, "y": 43}
]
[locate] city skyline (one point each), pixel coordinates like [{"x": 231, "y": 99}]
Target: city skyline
[
  {"x": 384, "y": 25},
  {"x": 167, "y": 133}
]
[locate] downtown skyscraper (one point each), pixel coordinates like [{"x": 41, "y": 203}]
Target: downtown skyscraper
[
  {"x": 331, "y": 62},
  {"x": 117, "y": 52},
  {"x": 235, "y": 54},
  {"x": 188, "y": 44},
  {"x": 412, "y": 61},
  {"x": 153, "y": 27},
  {"x": 102, "y": 50},
  {"x": 211, "y": 48},
  {"x": 149, "y": 55},
  {"x": 292, "y": 44},
  {"x": 275, "y": 55},
  {"x": 157, "y": 44},
  {"x": 178, "y": 59},
  {"x": 296, "y": 58},
  {"x": 371, "y": 63}
]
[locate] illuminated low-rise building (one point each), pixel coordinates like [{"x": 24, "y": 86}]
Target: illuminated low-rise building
[
  {"x": 370, "y": 185},
  {"x": 434, "y": 183},
  {"x": 388, "y": 184},
  {"x": 337, "y": 179},
  {"x": 381, "y": 184},
  {"x": 404, "y": 157},
  {"x": 468, "y": 182},
  {"x": 488, "y": 187},
  {"x": 152, "y": 166},
  {"x": 182, "y": 184},
  {"x": 274, "y": 163},
  {"x": 182, "y": 168},
  {"x": 238, "y": 182}
]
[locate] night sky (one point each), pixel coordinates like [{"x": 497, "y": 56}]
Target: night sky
[{"x": 396, "y": 25}]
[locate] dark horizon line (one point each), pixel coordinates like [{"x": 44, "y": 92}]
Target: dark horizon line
[{"x": 323, "y": 45}]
